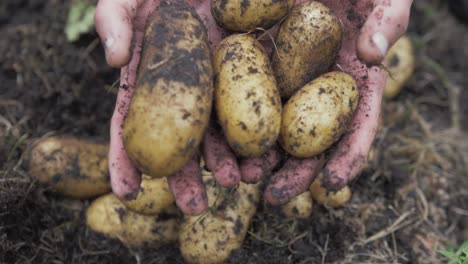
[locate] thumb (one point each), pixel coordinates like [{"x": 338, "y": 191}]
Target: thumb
[{"x": 385, "y": 25}]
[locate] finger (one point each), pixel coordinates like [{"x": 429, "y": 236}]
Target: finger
[
  {"x": 384, "y": 26},
  {"x": 188, "y": 189},
  {"x": 293, "y": 179},
  {"x": 352, "y": 150},
  {"x": 253, "y": 170},
  {"x": 220, "y": 159},
  {"x": 203, "y": 9}
]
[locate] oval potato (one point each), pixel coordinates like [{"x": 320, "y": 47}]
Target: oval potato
[
  {"x": 247, "y": 99},
  {"x": 76, "y": 168},
  {"x": 332, "y": 199},
  {"x": 109, "y": 216},
  {"x": 400, "y": 64},
  {"x": 308, "y": 42},
  {"x": 299, "y": 207},
  {"x": 153, "y": 198},
  {"x": 246, "y": 15},
  {"x": 171, "y": 104},
  {"x": 318, "y": 114}
]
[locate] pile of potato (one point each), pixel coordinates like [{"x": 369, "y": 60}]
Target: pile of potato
[{"x": 290, "y": 98}]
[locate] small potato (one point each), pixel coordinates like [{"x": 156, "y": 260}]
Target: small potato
[
  {"x": 307, "y": 44},
  {"x": 247, "y": 99},
  {"x": 332, "y": 199},
  {"x": 76, "y": 168},
  {"x": 318, "y": 114},
  {"x": 154, "y": 197},
  {"x": 299, "y": 207},
  {"x": 211, "y": 237},
  {"x": 172, "y": 101},
  {"x": 400, "y": 63},
  {"x": 109, "y": 216},
  {"x": 246, "y": 15}
]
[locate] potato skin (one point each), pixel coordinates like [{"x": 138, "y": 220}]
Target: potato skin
[
  {"x": 308, "y": 42},
  {"x": 331, "y": 199},
  {"x": 318, "y": 114},
  {"x": 247, "y": 99},
  {"x": 299, "y": 207},
  {"x": 75, "y": 168},
  {"x": 172, "y": 101},
  {"x": 211, "y": 237},
  {"x": 109, "y": 216},
  {"x": 153, "y": 198},
  {"x": 400, "y": 63},
  {"x": 246, "y": 15}
]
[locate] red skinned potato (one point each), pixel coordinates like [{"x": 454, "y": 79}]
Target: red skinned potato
[{"x": 172, "y": 100}]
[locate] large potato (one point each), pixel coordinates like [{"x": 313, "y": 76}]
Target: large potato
[
  {"x": 109, "y": 216},
  {"x": 246, "y": 15},
  {"x": 318, "y": 114},
  {"x": 171, "y": 104},
  {"x": 247, "y": 99},
  {"x": 400, "y": 64},
  {"x": 211, "y": 237},
  {"x": 154, "y": 196},
  {"x": 307, "y": 44},
  {"x": 75, "y": 168}
]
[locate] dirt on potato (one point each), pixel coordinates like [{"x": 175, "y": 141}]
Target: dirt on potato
[{"x": 410, "y": 202}]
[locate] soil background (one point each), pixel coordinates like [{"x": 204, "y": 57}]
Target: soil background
[{"x": 411, "y": 201}]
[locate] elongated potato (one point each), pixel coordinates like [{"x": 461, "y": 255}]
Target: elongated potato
[
  {"x": 318, "y": 114},
  {"x": 299, "y": 207},
  {"x": 73, "y": 167},
  {"x": 248, "y": 15},
  {"x": 211, "y": 237},
  {"x": 172, "y": 101},
  {"x": 400, "y": 63},
  {"x": 153, "y": 198},
  {"x": 307, "y": 44},
  {"x": 247, "y": 99},
  {"x": 332, "y": 199},
  {"x": 109, "y": 216}
]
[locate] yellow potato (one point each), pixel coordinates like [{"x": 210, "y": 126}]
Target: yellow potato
[
  {"x": 109, "y": 216},
  {"x": 154, "y": 196},
  {"x": 172, "y": 101},
  {"x": 298, "y": 207},
  {"x": 332, "y": 199},
  {"x": 247, "y": 99},
  {"x": 246, "y": 15},
  {"x": 211, "y": 237},
  {"x": 318, "y": 114},
  {"x": 400, "y": 64},
  {"x": 307, "y": 44},
  {"x": 75, "y": 168}
]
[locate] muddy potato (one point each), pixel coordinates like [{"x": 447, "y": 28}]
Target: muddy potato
[
  {"x": 299, "y": 207},
  {"x": 247, "y": 99},
  {"x": 318, "y": 114},
  {"x": 171, "y": 104},
  {"x": 246, "y": 15},
  {"x": 400, "y": 64},
  {"x": 332, "y": 199},
  {"x": 154, "y": 197},
  {"x": 307, "y": 44},
  {"x": 73, "y": 167},
  {"x": 211, "y": 237},
  {"x": 109, "y": 216}
]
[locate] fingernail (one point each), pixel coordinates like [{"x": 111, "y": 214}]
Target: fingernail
[
  {"x": 109, "y": 42},
  {"x": 381, "y": 42}
]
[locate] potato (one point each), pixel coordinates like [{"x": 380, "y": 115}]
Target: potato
[
  {"x": 246, "y": 15},
  {"x": 400, "y": 64},
  {"x": 307, "y": 44},
  {"x": 76, "y": 168},
  {"x": 332, "y": 199},
  {"x": 212, "y": 236},
  {"x": 299, "y": 207},
  {"x": 172, "y": 101},
  {"x": 247, "y": 99},
  {"x": 318, "y": 114},
  {"x": 109, "y": 216},
  {"x": 154, "y": 196}
]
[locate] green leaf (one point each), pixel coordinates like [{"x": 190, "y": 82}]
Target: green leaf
[{"x": 80, "y": 19}]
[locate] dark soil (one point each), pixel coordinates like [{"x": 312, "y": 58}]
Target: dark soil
[{"x": 410, "y": 202}]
